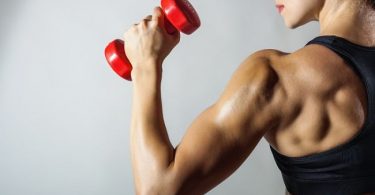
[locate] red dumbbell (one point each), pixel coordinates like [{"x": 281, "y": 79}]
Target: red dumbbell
[{"x": 180, "y": 16}]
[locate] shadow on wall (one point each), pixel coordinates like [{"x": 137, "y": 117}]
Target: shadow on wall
[
  {"x": 9, "y": 13},
  {"x": 8, "y": 16}
]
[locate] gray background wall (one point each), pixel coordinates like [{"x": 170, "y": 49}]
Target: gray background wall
[{"x": 64, "y": 115}]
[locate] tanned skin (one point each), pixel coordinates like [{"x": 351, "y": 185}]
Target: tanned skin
[{"x": 302, "y": 103}]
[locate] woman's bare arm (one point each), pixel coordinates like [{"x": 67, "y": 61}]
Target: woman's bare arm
[{"x": 216, "y": 143}]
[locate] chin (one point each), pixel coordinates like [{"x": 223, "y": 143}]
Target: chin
[
  {"x": 291, "y": 25},
  {"x": 295, "y": 24}
]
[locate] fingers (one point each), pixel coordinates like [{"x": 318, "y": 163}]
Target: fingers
[
  {"x": 157, "y": 19},
  {"x": 158, "y": 13},
  {"x": 148, "y": 18}
]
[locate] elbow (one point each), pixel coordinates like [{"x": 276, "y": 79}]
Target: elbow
[
  {"x": 171, "y": 189},
  {"x": 164, "y": 181},
  {"x": 157, "y": 187},
  {"x": 156, "y": 190}
]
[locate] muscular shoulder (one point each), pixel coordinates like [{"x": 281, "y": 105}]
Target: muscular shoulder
[
  {"x": 257, "y": 72},
  {"x": 314, "y": 70},
  {"x": 258, "y": 68},
  {"x": 271, "y": 84},
  {"x": 254, "y": 90}
]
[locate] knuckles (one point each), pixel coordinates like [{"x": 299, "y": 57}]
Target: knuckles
[{"x": 145, "y": 24}]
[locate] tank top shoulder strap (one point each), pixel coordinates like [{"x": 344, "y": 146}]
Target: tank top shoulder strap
[{"x": 334, "y": 44}]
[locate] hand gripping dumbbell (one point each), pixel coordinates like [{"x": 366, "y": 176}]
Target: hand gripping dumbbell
[{"x": 180, "y": 15}]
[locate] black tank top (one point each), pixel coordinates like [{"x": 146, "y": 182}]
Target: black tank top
[{"x": 348, "y": 169}]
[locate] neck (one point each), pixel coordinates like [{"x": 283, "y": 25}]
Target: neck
[{"x": 348, "y": 19}]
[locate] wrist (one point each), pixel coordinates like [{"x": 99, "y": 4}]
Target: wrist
[{"x": 146, "y": 72}]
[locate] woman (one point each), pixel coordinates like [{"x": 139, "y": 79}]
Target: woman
[{"x": 314, "y": 106}]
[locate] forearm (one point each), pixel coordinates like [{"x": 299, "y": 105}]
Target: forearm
[{"x": 151, "y": 149}]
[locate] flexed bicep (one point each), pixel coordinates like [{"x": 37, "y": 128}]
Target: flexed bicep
[{"x": 223, "y": 136}]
